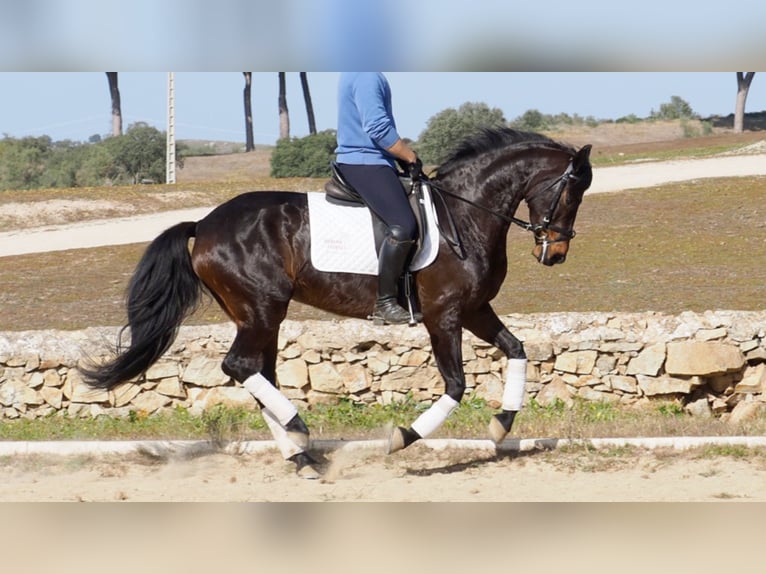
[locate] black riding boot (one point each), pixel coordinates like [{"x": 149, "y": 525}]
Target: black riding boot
[{"x": 392, "y": 258}]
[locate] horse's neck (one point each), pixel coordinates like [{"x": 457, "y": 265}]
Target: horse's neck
[
  {"x": 480, "y": 216},
  {"x": 501, "y": 190}
]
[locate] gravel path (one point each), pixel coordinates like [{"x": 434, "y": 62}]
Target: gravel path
[{"x": 140, "y": 229}]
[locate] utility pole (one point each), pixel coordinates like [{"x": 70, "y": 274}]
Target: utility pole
[{"x": 170, "y": 171}]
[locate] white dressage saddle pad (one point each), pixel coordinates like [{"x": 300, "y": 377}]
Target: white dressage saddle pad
[{"x": 342, "y": 239}]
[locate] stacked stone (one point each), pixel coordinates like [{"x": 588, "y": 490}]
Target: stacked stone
[{"x": 714, "y": 363}]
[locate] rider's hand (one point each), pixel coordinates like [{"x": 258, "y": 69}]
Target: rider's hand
[{"x": 415, "y": 169}]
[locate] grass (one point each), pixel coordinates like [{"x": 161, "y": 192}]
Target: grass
[
  {"x": 348, "y": 420},
  {"x": 732, "y": 451},
  {"x": 178, "y": 424}
]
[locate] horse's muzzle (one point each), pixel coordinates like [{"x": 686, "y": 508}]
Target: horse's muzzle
[{"x": 549, "y": 252}]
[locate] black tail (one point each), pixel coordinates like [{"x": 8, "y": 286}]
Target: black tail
[{"x": 163, "y": 291}]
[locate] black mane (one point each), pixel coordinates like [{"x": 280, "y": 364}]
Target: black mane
[{"x": 491, "y": 139}]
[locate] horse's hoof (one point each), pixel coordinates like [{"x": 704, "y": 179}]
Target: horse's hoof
[
  {"x": 401, "y": 438},
  {"x": 305, "y": 466},
  {"x": 497, "y": 432},
  {"x": 307, "y": 472},
  {"x": 301, "y": 439},
  {"x": 395, "y": 440},
  {"x": 500, "y": 425}
]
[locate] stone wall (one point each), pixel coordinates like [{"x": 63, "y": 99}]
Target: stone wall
[{"x": 713, "y": 363}]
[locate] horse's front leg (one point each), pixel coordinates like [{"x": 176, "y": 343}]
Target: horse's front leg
[
  {"x": 486, "y": 325},
  {"x": 446, "y": 344}
]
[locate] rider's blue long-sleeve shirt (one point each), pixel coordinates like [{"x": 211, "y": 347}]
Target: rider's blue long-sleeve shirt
[{"x": 366, "y": 126}]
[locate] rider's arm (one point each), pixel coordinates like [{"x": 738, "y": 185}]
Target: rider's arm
[{"x": 400, "y": 150}]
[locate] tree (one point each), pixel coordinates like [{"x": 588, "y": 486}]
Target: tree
[
  {"x": 309, "y": 105},
  {"x": 309, "y": 156},
  {"x": 284, "y": 115},
  {"x": 743, "y": 86},
  {"x": 24, "y": 161},
  {"x": 139, "y": 155},
  {"x": 114, "y": 91},
  {"x": 531, "y": 120},
  {"x": 249, "y": 140},
  {"x": 98, "y": 167},
  {"x": 449, "y": 127}
]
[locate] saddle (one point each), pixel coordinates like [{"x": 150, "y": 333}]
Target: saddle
[{"x": 339, "y": 192}]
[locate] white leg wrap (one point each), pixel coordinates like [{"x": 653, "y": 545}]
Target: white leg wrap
[
  {"x": 287, "y": 447},
  {"x": 515, "y": 380},
  {"x": 271, "y": 398},
  {"x": 435, "y": 416}
]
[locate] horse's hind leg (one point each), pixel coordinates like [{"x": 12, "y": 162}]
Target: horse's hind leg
[
  {"x": 486, "y": 325},
  {"x": 252, "y": 361}
]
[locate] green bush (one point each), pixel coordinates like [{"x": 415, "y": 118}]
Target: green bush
[
  {"x": 35, "y": 162},
  {"x": 22, "y": 161},
  {"x": 629, "y": 119},
  {"x": 677, "y": 108},
  {"x": 309, "y": 156},
  {"x": 139, "y": 154},
  {"x": 450, "y": 127},
  {"x": 532, "y": 121}
]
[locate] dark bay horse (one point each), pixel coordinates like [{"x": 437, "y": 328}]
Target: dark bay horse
[{"x": 252, "y": 254}]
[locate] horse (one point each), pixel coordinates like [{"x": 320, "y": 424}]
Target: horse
[{"x": 252, "y": 254}]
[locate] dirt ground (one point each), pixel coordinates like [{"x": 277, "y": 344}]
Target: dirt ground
[{"x": 420, "y": 474}]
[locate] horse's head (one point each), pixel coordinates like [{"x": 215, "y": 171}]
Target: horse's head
[
  {"x": 553, "y": 208},
  {"x": 501, "y": 167}
]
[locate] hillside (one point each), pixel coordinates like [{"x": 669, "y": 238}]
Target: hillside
[{"x": 237, "y": 166}]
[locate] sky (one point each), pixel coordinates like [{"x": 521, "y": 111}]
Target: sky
[{"x": 209, "y": 105}]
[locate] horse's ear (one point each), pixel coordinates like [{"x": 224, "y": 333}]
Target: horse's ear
[{"x": 582, "y": 157}]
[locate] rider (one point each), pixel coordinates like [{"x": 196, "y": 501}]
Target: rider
[{"x": 368, "y": 148}]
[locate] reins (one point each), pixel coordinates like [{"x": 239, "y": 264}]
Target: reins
[{"x": 452, "y": 236}]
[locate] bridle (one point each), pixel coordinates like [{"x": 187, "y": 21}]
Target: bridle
[{"x": 539, "y": 230}]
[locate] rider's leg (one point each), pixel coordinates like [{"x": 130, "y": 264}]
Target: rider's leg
[
  {"x": 392, "y": 259},
  {"x": 384, "y": 194}
]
